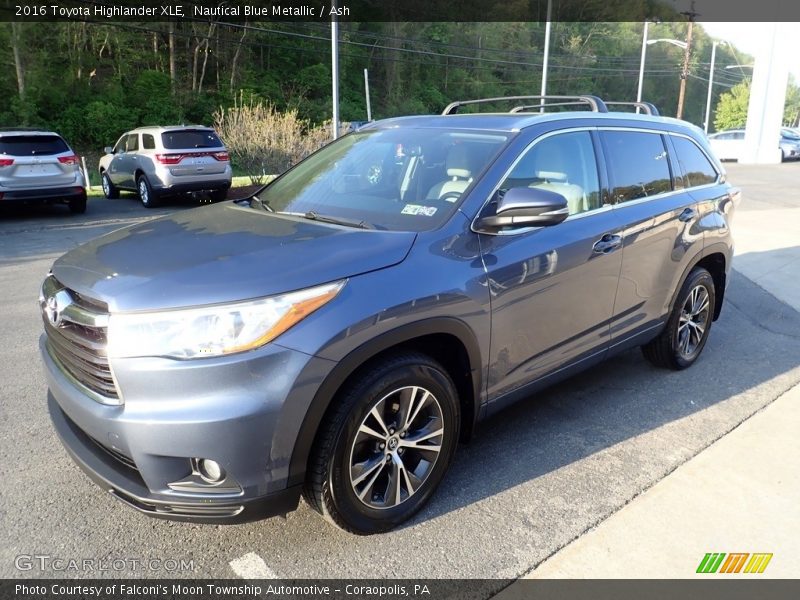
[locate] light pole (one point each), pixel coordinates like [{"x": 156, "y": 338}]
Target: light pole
[
  {"x": 711, "y": 82},
  {"x": 335, "y": 72},
  {"x": 546, "y": 54},
  {"x": 641, "y": 64}
]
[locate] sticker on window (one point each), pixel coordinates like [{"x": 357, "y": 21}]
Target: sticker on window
[{"x": 416, "y": 209}]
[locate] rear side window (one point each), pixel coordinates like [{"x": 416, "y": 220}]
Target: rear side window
[
  {"x": 696, "y": 167},
  {"x": 190, "y": 138},
  {"x": 32, "y": 145},
  {"x": 148, "y": 142},
  {"x": 638, "y": 164}
]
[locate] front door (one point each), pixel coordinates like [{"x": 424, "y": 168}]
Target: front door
[{"x": 552, "y": 288}]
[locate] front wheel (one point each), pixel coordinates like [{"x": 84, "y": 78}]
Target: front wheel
[
  {"x": 385, "y": 446},
  {"x": 147, "y": 195},
  {"x": 680, "y": 343},
  {"x": 109, "y": 190}
]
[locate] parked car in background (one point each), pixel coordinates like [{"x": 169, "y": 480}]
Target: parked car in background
[
  {"x": 339, "y": 332},
  {"x": 39, "y": 166},
  {"x": 156, "y": 162},
  {"x": 730, "y": 144}
]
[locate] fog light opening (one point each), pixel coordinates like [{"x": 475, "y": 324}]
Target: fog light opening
[{"x": 209, "y": 470}]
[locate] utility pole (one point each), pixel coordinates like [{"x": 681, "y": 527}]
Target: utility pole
[
  {"x": 366, "y": 91},
  {"x": 686, "y": 55}
]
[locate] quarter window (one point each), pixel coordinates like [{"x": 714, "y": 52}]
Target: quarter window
[
  {"x": 564, "y": 163},
  {"x": 148, "y": 142},
  {"x": 638, "y": 164},
  {"x": 695, "y": 165}
]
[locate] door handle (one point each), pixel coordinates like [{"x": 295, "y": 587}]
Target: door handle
[
  {"x": 687, "y": 215},
  {"x": 608, "y": 243}
]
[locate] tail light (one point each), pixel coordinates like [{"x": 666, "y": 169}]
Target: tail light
[
  {"x": 6, "y": 162},
  {"x": 221, "y": 156},
  {"x": 68, "y": 160},
  {"x": 169, "y": 159}
]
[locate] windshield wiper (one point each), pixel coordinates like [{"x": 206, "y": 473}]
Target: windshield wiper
[{"x": 314, "y": 216}]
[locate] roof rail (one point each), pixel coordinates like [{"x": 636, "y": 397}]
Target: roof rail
[
  {"x": 647, "y": 107},
  {"x": 595, "y": 103}
]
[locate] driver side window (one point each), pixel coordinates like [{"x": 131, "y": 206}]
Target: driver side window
[{"x": 563, "y": 163}]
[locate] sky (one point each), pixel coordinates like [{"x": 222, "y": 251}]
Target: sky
[{"x": 751, "y": 38}]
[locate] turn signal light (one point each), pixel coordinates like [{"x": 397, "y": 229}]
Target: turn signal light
[{"x": 68, "y": 160}]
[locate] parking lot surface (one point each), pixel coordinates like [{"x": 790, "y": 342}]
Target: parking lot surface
[{"x": 535, "y": 477}]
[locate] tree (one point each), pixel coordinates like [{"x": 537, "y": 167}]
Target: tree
[{"x": 731, "y": 110}]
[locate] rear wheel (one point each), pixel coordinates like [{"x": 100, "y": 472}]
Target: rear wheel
[
  {"x": 109, "y": 190},
  {"x": 686, "y": 333},
  {"x": 147, "y": 195},
  {"x": 386, "y": 445},
  {"x": 77, "y": 205}
]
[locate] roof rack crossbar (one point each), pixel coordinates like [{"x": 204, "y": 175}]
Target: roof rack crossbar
[
  {"x": 532, "y": 107},
  {"x": 647, "y": 107},
  {"x": 595, "y": 103}
]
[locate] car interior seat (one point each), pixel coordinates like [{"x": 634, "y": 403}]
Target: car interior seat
[{"x": 459, "y": 173}]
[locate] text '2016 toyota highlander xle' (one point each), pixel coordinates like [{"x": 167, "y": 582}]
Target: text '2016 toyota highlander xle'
[{"x": 338, "y": 333}]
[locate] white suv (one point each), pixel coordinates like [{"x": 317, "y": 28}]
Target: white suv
[
  {"x": 163, "y": 161},
  {"x": 39, "y": 166}
]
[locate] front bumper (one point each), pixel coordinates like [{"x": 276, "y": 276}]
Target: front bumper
[
  {"x": 242, "y": 411},
  {"x": 125, "y": 484}
]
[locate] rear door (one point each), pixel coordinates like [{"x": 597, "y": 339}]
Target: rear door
[
  {"x": 119, "y": 169},
  {"x": 552, "y": 288},
  {"x": 192, "y": 152},
  {"x": 35, "y": 161},
  {"x": 660, "y": 227}
]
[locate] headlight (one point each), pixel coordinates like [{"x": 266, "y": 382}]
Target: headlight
[{"x": 213, "y": 330}]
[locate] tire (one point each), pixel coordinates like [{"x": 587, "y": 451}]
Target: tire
[
  {"x": 109, "y": 190},
  {"x": 147, "y": 195},
  {"x": 365, "y": 500},
  {"x": 680, "y": 343},
  {"x": 218, "y": 195},
  {"x": 77, "y": 205}
]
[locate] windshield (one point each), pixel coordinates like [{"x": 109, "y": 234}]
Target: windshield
[{"x": 398, "y": 179}]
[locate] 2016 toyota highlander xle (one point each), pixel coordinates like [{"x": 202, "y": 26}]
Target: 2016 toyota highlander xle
[{"x": 338, "y": 333}]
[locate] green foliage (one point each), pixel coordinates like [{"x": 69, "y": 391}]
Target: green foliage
[
  {"x": 732, "y": 107},
  {"x": 104, "y": 122}
]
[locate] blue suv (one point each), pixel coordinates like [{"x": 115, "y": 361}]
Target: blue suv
[{"x": 336, "y": 335}]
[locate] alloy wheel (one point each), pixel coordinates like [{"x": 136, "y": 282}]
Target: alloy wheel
[
  {"x": 396, "y": 447},
  {"x": 693, "y": 321}
]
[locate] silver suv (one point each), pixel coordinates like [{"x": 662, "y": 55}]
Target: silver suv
[
  {"x": 164, "y": 161},
  {"x": 40, "y": 166}
]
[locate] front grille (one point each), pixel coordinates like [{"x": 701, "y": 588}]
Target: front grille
[{"x": 76, "y": 340}]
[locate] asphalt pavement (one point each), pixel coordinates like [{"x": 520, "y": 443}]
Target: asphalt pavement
[{"x": 536, "y": 477}]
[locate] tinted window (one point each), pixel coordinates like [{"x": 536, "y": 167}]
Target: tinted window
[
  {"x": 563, "y": 163},
  {"x": 696, "y": 167},
  {"x": 133, "y": 142},
  {"x": 32, "y": 145},
  {"x": 148, "y": 142},
  {"x": 190, "y": 138},
  {"x": 637, "y": 163},
  {"x": 403, "y": 178}
]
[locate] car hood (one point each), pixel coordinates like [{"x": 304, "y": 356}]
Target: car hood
[{"x": 222, "y": 253}]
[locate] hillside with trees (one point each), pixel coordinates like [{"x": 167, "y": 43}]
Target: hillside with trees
[{"x": 93, "y": 81}]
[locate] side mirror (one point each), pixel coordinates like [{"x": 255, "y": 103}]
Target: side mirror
[
  {"x": 108, "y": 150},
  {"x": 527, "y": 207}
]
